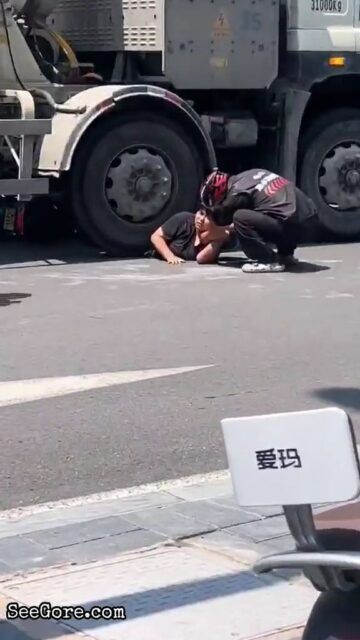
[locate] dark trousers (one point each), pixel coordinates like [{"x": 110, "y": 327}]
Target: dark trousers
[{"x": 257, "y": 231}]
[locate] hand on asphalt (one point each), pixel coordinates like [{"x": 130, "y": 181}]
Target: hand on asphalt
[{"x": 175, "y": 260}]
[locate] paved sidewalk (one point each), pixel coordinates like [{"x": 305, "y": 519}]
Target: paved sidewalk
[
  {"x": 178, "y": 592},
  {"x": 176, "y": 555},
  {"x": 72, "y": 533}
]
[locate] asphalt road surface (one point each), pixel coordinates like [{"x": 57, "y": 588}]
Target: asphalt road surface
[{"x": 275, "y": 342}]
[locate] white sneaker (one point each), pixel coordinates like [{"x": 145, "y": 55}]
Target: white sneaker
[{"x": 258, "y": 267}]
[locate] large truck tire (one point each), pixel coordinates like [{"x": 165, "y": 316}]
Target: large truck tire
[
  {"x": 330, "y": 170},
  {"x": 130, "y": 176}
]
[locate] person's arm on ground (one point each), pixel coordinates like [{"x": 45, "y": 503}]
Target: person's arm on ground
[
  {"x": 210, "y": 253},
  {"x": 160, "y": 245},
  {"x": 216, "y": 233}
]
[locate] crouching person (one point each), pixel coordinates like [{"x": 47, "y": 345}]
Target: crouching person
[
  {"x": 265, "y": 210},
  {"x": 190, "y": 237}
]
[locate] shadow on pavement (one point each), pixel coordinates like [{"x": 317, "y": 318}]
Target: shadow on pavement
[
  {"x": 149, "y": 602},
  {"x": 9, "y": 632},
  {"x": 307, "y": 267},
  {"x": 236, "y": 262},
  {"x": 18, "y": 254},
  {"x": 146, "y": 603},
  {"x": 15, "y": 253},
  {"x": 347, "y": 397},
  {"x": 6, "y": 299}
]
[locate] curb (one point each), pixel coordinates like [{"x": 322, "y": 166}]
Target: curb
[{"x": 163, "y": 486}]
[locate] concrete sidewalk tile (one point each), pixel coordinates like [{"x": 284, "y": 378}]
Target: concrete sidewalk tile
[
  {"x": 83, "y": 513},
  {"x": 240, "y": 550},
  {"x": 266, "y": 512},
  {"x": 18, "y": 554},
  {"x": 30, "y": 524},
  {"x": 203, "y": 490},
  {"x": 260, "y": 531},
  {"x": 210, "y": 512},
  {"x": 96, "y": 550},
  {"x": 177, "y": 592},
  {"x": 277, "y": 545},
  {"x": 144, "y": 501},
  {"x": 166, "y": 521},
  {"x": 228, "y": 545},
  {"x": 31, "y": 563},
  {"x": 262, "y": 512},
  {"x": 72, "y": 534}
]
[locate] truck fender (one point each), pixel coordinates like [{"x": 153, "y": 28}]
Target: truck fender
[
  {"x": 295, "y": 103},
  {"x": 57, "y": 148}
]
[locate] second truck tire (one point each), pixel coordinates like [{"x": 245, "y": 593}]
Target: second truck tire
[
  {"x": 330, "y": 170},
  {"x": 129, "y": 177}
]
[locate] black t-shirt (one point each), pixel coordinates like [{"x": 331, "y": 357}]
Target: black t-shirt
[
  {"x": 179, "y": 231},
  {"x": 266, "y": 192}
]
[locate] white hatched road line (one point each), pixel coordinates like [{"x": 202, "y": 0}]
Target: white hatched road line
[{"x": 21, "y": 391}]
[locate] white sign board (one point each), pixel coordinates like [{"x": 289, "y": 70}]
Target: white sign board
[{"x": 295, "y": 458}]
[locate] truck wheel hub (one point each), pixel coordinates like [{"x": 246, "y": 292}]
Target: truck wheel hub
[
  {"x": 144, "y": 186},
  {"x": 138, "y": 185},
  {"x": 340, "y": 177},
  {"x": 351, "y": 178}
]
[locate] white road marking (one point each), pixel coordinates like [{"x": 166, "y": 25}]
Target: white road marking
[
  {"x": 136, "y": 267},
  {"x": 107, "y": 312},
  {"x": 191, "y": 273},
  {"x": 163, "y": 485},
  {"x": 329, "y": 261},
  {"x": 20, "y": 391},
  {"x": 336, "y": 294},
  {"x": 75, "y": 283}
]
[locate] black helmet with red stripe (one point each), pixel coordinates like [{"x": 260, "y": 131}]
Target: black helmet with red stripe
[{"x": 214, "y": 189}]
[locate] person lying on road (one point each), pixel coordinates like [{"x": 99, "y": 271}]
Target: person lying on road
[
  {"x": 190, "y": 236},
  {"x": 263, "y": 209}
]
